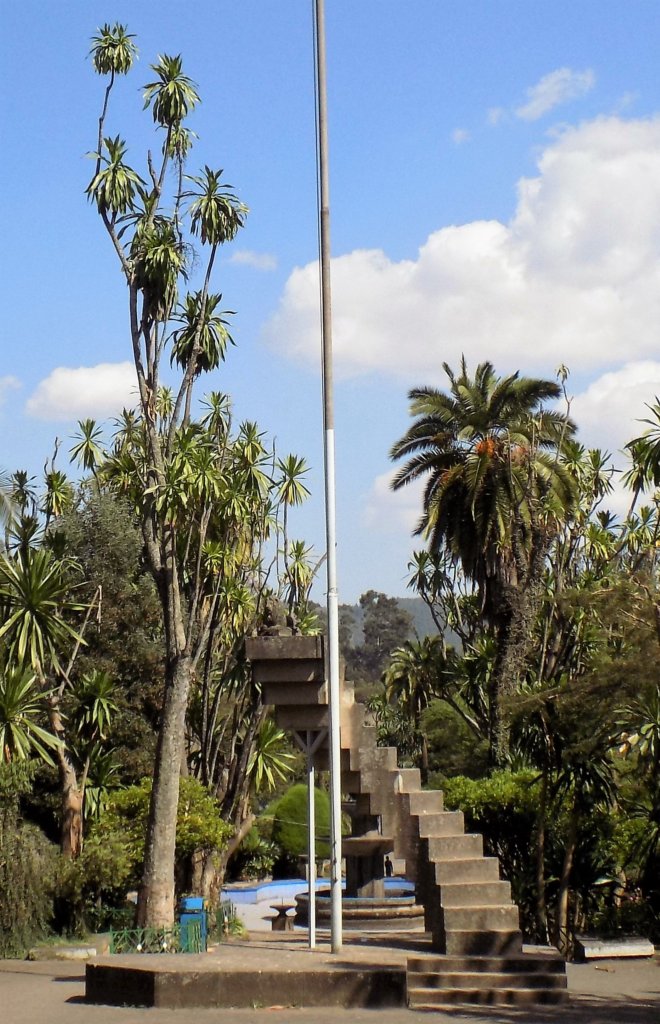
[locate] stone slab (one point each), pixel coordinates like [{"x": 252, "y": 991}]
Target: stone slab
[{"x": 592, "y": 948}]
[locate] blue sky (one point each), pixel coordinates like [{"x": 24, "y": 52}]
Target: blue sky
[{"x": 495, "y": 190}]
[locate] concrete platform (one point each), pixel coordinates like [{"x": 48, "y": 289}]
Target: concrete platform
[{"x": 267, "y": 970}]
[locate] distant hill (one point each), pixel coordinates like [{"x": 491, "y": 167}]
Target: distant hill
[{"x": 423, "y": 624}]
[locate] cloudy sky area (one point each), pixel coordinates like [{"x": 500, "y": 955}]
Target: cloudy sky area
[{"x": 495, "y": 191}]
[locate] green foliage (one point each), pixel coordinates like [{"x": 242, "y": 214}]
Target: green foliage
[
  {"x": 199, "y": 825},
  {"x": 503, "y": 808},
  {"x": 216, "y": 214},
  {"x": 113, "y": 50},
  {"x": 115, "y": 187},
  {"x": 385, "y": 625},
  {"x": 255, "y": 857},
  {"x": 124, "y": 642},
  {"x": 290, "y": 825},
  {"x": 203, "y": 328},
  {"x": 27, "y": 862},
  {"x": 487, "y": 451},
  {"x": 35, "y": 598},
  {"x": 172, "y": 95},
  {"x": 22, "y": 707},
  {"x": 91, "y": 890},
  {"x": 271, "y": 760},
  {"x": 453, "y": 747}
]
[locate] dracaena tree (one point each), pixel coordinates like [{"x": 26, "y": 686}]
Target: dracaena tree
[
  {"x": 42, "y": 626},
  {"x": 206, "y": 496}
]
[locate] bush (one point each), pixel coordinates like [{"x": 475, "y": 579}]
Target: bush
[
  {"x": 27, "y": 862},
  {"x": 290, "y": 824},
  {"x": 254, "y": 858},
  {"x": 199, "y": 825},
  {"x": 504, "y": 809},
  {"x": 91, "y": 891}
]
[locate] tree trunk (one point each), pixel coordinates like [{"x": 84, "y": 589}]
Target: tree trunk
[
  {"x": 214, "y": 873},
  {"x": 562, "y": 938},
  {"x": 515, "y": 607},
  {"x": 156, "y": 897},
  {"x": 424, "y": 761},
  {"x": 541, "y": 908},
  {"x": 71, "y": 835},
  {"x": 71, "y": 826}
]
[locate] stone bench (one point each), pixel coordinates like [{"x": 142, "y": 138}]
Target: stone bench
[{"x": 588, "y": 947}]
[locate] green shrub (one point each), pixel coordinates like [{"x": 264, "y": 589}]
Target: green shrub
[
  {"x": 27, "y": 863},
  {"x": 199, "y": 825},
  {"x": 290, "y": 824},
  {"x": 91, "y": 891},
  {"x": 503, "y": 808},
  {"x": 254, "y": 858}
]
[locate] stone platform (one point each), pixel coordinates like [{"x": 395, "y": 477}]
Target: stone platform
[{"x": 264, "y": 971}]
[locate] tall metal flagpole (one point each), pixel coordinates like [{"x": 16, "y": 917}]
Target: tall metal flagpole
[{"x": 329, "y": 459}]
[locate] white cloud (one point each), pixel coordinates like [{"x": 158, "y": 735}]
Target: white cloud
[
  {"x": 459, "y": 136},
  {"x": 8, "y": 384},
  {"x": 256, "y": 260},
  {"x": 609, "y": 413},
  {"x": 553, "y": 89},
  {"x": 388, "y": 511},
  {"x": 86, "y": 391},
  {"x": 573, "y": 278},
  {"x": 495, "y": 115}
]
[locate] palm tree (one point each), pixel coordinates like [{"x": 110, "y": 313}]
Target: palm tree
[
  {"x": 412, "y": 680},
  {"x": 496, "y": 492}
]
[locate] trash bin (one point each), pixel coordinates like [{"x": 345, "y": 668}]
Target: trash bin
[{"x": 193, "y": 920}]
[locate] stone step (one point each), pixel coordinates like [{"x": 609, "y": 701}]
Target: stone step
[
  {"x": 489, "y": 918},
  {"x": 463, "y": 847},
  {"x": 425, "y": 802},
  {"x": 486, "y": 980},
  {"x": 492, "y": 942},
  {"x": 352, "y": 721},
  {"x": 435, "y": 999},
  {"x": 463, "y": 870},
  {"x": 353, "y": 738},
  {"x": 408, "y": 780},
  {"x": 546, "y": 961},
  {"x": 295, "y": 673},
  {"x": 442, "y": 823},
  {"x": 479, "y": 894},
  {"x": 291, "y": 693},
  {"x": 299, "y": 718}
]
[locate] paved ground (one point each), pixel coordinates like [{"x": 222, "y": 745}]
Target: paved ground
[{"x": 52, "y": 992}]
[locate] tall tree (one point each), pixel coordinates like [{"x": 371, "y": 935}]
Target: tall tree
[
  {"x": 146, "y": 228},
  {"x": 495, "y": 493},
  {"x": 206, "y": 496}
]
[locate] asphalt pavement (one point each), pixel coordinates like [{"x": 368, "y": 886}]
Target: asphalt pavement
[{"x": 607, "y": 992}]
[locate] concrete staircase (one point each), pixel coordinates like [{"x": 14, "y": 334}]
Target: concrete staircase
[
  {"x": 524, "y": 980},
  {"x": 468, "y": 910}
]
